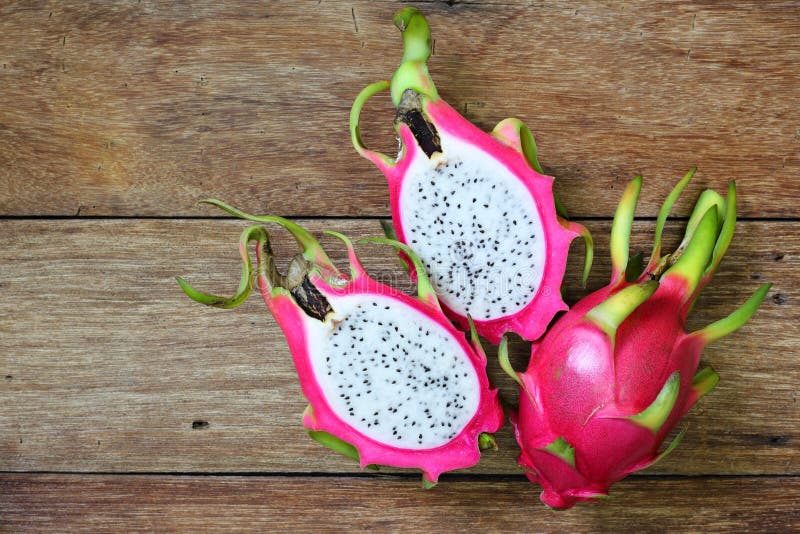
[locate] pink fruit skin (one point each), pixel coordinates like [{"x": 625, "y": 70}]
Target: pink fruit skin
[
  {"x": 531, "y": 321},
  {"x": 577, "y": 387},
  {"x": 615, "y": 374},
  {"x": 510, "y": 144},
  {"x": 459, "y": 453}
]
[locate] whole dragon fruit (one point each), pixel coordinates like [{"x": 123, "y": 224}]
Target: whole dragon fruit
[
  {"x": 476, "y": 207},
  {"x": 615, "y": 374},
  {"x": 389, "y": 380}
]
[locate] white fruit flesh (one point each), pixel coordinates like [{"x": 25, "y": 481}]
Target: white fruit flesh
[
  {"x": 392, "y": 373},
  {"x": 476, "y": 228}
]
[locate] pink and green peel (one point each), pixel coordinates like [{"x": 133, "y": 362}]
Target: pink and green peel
[
  {"x": 510, "y": 143},
  {"x": 332, "y": 287},
  {"x": 614, "y": 376}
]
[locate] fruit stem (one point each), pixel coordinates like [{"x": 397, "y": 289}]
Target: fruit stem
[{"x": 413, "y": 71}]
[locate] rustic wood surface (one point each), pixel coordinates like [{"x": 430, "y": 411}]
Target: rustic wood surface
[
  {"x": 140, "y": 108},
  {"x": 107, "y": 364},
  {"x": 229, "y": 503},
  {"x": 124, "y": 406}
]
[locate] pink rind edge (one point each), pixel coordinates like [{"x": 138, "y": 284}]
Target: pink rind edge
[
  {"x": 529, "y": 322},
  {"x": 459, "y": 453}
]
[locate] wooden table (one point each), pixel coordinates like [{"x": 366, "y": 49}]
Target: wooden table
[{"x": 125, "y": 406}]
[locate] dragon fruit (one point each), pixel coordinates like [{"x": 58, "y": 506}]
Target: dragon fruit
[
  {"x": 389, "y": 380},
  {"x": 476, "y": 207},
  {"x": 612, "y": 378}
]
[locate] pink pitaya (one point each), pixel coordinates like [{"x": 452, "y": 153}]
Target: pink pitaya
[
  {"x": 611, "y": 379},
  {"x": 475, "y": 207},
  {"x": 389, "y": 380}
]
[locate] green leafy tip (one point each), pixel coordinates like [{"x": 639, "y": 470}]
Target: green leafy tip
[
  {"x": 726, "y": 233},
  {"x": 335, "y": 444},
  {"x": 704, "y": 381},
  {"x": 355, "y": 120},
  {"x": 388, "y": 231},
  {"x": 505, "y": 365},
  {"x": 424, "y": 288},
  {"x": 610, "y": 313},
  {"x": 561, "y": 448},
  {"x": 634, "y": 268},
  {"x": 663, "y": 213},
  {"x": 312, "y": 250},
  {"x": 694, "y": 258},
  {"x": 671, "y": 447},
  {"x": 709, "y": 200},
  {"x": 735, "y": 320},
  {"x": 621, "y": 229},
  {"x": 514, "y": 133},
  {"x": 338, "y": 445},
  {"x": 561, "y": 210},
  {"x": 413, "y": 70},
  {"x": 588, "y": 243},
  {"x": 356, "y": 269},
  {"x": 474, "y": 339},
  {"x": 486, "y": 442},
  {"x": 655, "y": 415},
  {"x": 427, "y": 484},
  {"x": 527, "y": 144},
  {"x": 252, "y": 233}
]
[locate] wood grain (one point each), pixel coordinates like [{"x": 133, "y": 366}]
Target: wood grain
[
  {"x": 33, "y": 503},
  {"x": 106, "y": 366},
  {"x": 125, "y": 407},
  {"x": 142, "y": 108}
]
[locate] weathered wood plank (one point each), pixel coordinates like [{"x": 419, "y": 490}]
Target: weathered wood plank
[
  {"x": 105, "y": 364},
  {"x": 33, "y": 503},
  {"x": 126, "y": 108}
]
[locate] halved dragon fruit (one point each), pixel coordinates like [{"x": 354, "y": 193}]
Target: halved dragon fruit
[
  {"x": 476, "y": 207},
  {"x": 611, "y": 379},
  {"x": 389, "y": 380}
]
